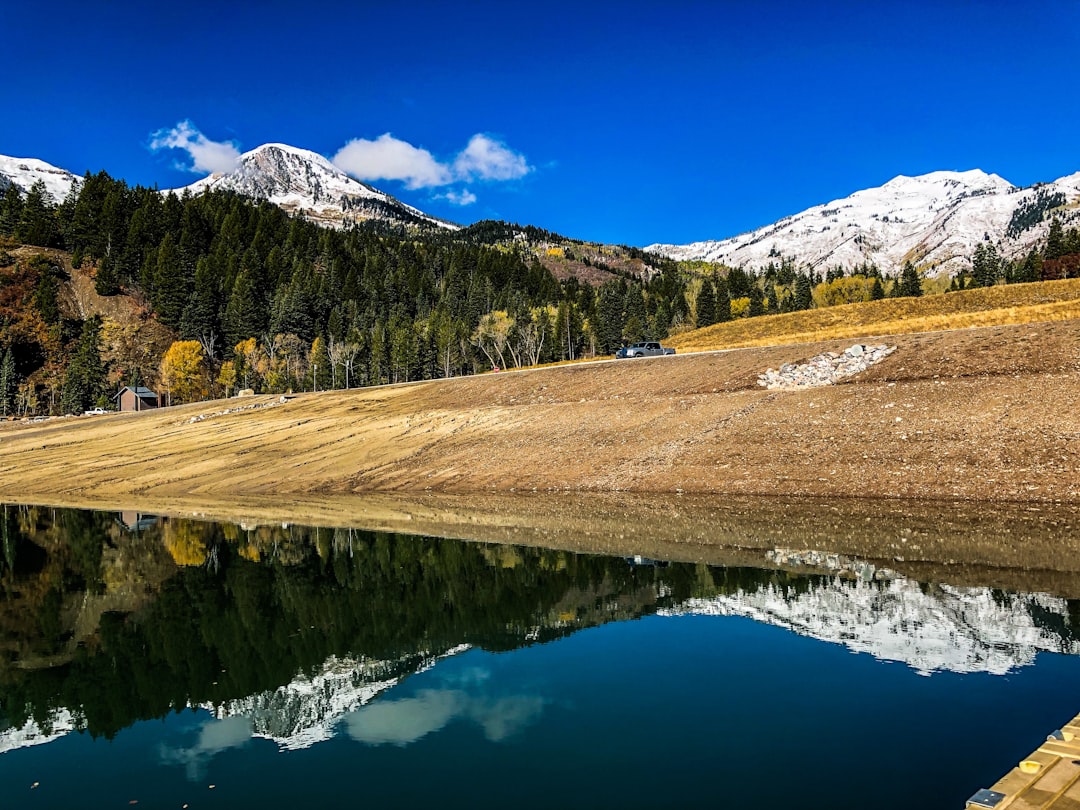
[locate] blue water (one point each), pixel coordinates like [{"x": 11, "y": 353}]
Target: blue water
[{"x": 659, "y": 712}]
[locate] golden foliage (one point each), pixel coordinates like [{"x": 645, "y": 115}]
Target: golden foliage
[
  {"x": 184, "y": 541},
  {"x": 183, "y": 371},
  {"x": 740, "y": 307}
]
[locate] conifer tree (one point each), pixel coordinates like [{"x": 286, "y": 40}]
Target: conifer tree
[
  {"x": 105, "y": 280},
  {"x": 37, "y": 225},
  {"x": 804, "y": 293},
  {"x": 706, "y": 304},
  {"x": 757, "y": 302},
  {"x": 723, "y": 300},
  {"x": 11, "y": 205},
  {"x": 1055, "y": 240},
  {"x": 84, "y": 381},
  {"x": 9, "y": 383},
  {"x": 909, "y": 285},
  {"x": 636, "y": 319}
]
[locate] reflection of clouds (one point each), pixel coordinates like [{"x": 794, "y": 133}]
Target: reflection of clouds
[
  {"x": 400, "y": 722},
  {"x": 469, "y": 676},
  {"x": 214, "y": 736}
]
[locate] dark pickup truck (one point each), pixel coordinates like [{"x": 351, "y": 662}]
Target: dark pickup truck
[{"x": 646, "y": 349}]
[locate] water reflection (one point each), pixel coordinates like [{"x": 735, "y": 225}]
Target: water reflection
[
  {"x": 400, "y": 722},
  {"x": 299, "y": 635},
  {"x": 212, "y": 737}
]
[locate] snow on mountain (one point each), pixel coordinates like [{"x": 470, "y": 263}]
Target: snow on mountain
[
  {"x": 12, "y": 739},
  {"x": 939, "y": 629},
  {"x": 296, "y": 715},
  {"x": 306, "y": 710},
  {"x": 307, "y": 184},
  {"x": 24, "y": 172},
  {"x": 934, "y": 220}
]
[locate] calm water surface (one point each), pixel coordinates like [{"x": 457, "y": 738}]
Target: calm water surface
[{"x": 174, "y": 662}]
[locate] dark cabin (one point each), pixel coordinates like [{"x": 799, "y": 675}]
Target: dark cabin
[{"x": 136, "y": 399}]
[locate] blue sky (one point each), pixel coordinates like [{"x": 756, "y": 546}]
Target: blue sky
[{"x": 631, "y": 122}]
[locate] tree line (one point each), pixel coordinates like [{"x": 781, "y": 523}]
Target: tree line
[
  {"x": 251, "y": 298},
  {"x": 262, "y": 300}
]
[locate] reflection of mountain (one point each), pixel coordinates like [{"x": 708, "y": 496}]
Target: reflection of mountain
[
  {"x": 929, "y": 628},
  {"x": 305, "y": 710},
  {"x": 287, "y": 632},
  {"x": 32, "y": 734}
]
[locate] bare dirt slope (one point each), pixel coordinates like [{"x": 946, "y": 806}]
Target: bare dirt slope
[{"x": 978, "y": 414}]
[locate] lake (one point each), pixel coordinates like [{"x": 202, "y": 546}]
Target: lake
[{"x": 174, "y": 662}]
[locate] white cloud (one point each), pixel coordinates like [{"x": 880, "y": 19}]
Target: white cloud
[
  {"x": 388, "y": 158},
  {"x": 206, "y": 155},
  {"x": 488, "y": 159},
  {"x": 463, "y": 197},
  {"x": 215, "y": 736},
  {"x": 400, "y": 722},
  {"x": 484, "y": 158}
]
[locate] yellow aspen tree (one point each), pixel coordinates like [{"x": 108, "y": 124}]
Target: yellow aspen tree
[
  {"x": 183, "y": 371},
  {"x": 226, "y": 377}
]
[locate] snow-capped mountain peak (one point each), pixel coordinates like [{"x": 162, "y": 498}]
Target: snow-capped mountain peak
[
  {"x": 934, "y": 220},
  {"x": 24, "y": 172},
  {"x": 305, "y": 183}
]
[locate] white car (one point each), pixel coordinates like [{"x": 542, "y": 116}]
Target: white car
[{"x": 94, "y": 412}]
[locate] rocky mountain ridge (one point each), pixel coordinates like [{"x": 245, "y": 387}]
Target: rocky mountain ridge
[
  {"x": 306, "y": 184},
  {"x": 24, "y": 172},
  {"x": 934, "y": 220},
  {"x": 299, "y": 181}
]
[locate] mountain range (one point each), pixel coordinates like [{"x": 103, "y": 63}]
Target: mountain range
[{"x": 933, "y": 220}]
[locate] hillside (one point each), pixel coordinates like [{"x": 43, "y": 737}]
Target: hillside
[
  {"x": 975, "y": 414},
  {"x": 989, "y": 306}
]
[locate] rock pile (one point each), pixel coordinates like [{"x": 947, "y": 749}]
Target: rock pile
[
  {"x": 825, "y": 369},
  {"x": 254, "y": 407}
]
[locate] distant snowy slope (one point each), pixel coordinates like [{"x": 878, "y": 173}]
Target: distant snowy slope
[
  {"x": 307, "y": 184},
  {"x": 934, "y": 220},
  {"x": 24, "y": 172}
]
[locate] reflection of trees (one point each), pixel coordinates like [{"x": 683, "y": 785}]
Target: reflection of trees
[
  {"x": 249, "y": 608},
  {"x": 214, "y": 633}
]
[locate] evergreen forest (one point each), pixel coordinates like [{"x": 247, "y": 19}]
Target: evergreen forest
[{"x": 226, "y": 294}]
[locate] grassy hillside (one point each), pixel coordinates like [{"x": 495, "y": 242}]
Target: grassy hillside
[{"x": 990, "y": 306}]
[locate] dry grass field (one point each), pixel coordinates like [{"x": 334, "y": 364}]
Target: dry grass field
[
  {"x": 991, "y": 306},
  {"x": 967, "y": 415}
]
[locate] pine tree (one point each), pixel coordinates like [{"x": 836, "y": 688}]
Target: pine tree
[
  {"x": 723, "y": 300},
  {"x": 37, "y": 225},
  {"x": 804, "y": 293},
  {"x": 171, "y": 289},
  {"x": 84, "y": 381},
  {"x": 105, "y": 281},
  {"x": 910, "y": 285},
  {"x": 877, "y": 292},
  {"x": 636, "y": 318},
  {"x": 706, "y": 304},
  {"x": 609, "y": 317},
  {"x": 11, "y": 205},
  {"x": 757, "y": 302},
  {"x": 1055, "y": 240},
  {"x": 9, "y": 382}
]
